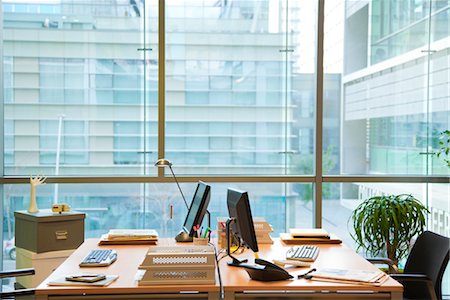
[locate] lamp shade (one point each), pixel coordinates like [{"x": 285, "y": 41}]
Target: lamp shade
[{"x": 161, "y": 163}]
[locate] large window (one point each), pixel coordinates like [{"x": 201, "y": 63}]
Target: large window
[
  {"x": 235, "y": 93},
  {"x": 239, "y": 90},
  {"x": 94, "y": 66}
]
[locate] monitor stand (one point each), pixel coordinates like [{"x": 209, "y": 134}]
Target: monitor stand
[
  {"x": 183, "y": 237},
  {"x": 235, "y": 262}
]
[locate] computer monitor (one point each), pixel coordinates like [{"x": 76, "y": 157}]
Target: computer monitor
[
  {"x": 196, "y": 212},
  {"x": 241, "y": 219}
]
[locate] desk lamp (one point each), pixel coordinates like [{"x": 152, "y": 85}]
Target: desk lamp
[
  {"x": 162, "y": 163},
  {"x": 194, "y": 210}
]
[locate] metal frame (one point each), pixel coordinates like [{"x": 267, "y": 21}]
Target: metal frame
[
  {"x": 161, "y": 82},
  {"x": 318, "y": 179},
  {"x": 317, "y": 204},
  {"x": 2, "y": 129},
  {"x": 256, "y": 179}
]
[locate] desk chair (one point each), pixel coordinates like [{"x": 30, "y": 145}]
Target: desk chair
[
  {"x": 424, "y": 268},
  {"x": 16, "y": 293}
]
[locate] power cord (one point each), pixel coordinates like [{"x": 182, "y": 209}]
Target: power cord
[{"x": 221, "y": 292}]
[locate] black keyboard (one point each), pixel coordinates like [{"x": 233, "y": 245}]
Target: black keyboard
[
  {"x": 99, "y": 258},
  {"x": 303, "y": 253}
]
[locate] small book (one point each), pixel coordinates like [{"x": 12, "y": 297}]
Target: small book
[
  {"x": 309, "y": 233},
  {"x": 64, "y": 282}
]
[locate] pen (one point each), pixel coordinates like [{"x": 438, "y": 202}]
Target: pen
[
  {"x": 206, "y": 232},
  {"x": 307, "y": 274}
]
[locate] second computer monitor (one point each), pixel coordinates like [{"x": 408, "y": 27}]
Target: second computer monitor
[
  {"x": 239, "y": 210},
  {"x": 196, "y": 212}
]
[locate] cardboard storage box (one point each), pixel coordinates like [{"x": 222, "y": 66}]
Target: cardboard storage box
[
  {"x": 43, "y": 263},
  {"x": 48, "y": 231}
]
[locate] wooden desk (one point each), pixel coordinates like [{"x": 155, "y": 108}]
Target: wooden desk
[
  {"x": 238, "y": 285},
  {"x": 125, "y": 287},
  {"x": 236, "y": 282}
]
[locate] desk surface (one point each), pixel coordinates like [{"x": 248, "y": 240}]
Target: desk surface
[
  {"x": 234, "y": 280},
  {"x": 129, "y": 257},
  {"x": 330, "y": 256}
]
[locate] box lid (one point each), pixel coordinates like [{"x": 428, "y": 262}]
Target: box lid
[{"x": 46, "y": 215}]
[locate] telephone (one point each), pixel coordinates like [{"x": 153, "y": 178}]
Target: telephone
[{"x": 263, "y": 270}]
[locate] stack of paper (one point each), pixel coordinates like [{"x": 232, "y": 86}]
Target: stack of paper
[
  {"x": 350, "y": 276},
  {"x": 262, "y": 231},
  {"x": 309, "y": 236},
  {"x": 132, "y": 234},
  {"x": 309, "y": 233},
  {"x": 129, "y": 236}
]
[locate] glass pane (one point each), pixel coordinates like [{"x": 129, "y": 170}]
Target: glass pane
[
  {"x": 341, "y": 199},
  {"x": 242, "y": 85},
  {"x": 394, "y": 93},
  {"x": 338, "y": 206},
  {"x": 110, "y": 206},
  {"x": 79, "y": 61}
]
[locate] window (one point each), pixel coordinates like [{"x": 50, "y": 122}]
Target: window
[
  {"x": 127, "y": 143},
  {"x": 73, "y": 146},
  {"x": 239, "y": 97}
]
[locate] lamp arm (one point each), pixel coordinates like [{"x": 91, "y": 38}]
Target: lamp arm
[{"x": 182, "y": 195}]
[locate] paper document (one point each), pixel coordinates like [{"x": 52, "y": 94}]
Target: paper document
[
  {"x": 309, "y": 233},
  {"x": 353, "y": 276},
  {"x": 132, "y": 234}
]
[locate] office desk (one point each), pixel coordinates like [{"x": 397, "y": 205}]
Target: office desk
[
  {"x": 238, "y": 285},
  {"x": 236, "y": 282},
  {"x": 125, "y": 287}
]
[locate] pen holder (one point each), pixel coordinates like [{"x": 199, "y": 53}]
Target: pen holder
[{"x": 201, "y": 241}]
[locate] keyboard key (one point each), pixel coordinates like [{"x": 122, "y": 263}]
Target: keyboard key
[{"x": 303, "y": 253}]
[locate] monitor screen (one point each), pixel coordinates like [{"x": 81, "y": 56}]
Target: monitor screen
[
  {"x": 198, "y": 208},
  {"x": 239, "y": 209}
]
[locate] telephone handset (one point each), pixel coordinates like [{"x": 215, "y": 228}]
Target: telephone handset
[{"x": 264, "y": 270}]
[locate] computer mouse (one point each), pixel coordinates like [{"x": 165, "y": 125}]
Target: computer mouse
[{"x": 266, "y": 272}]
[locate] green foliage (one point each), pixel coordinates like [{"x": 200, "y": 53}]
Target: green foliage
[
  {"x": 444, "y": 146},
  {"x": 388, "y": 223}
]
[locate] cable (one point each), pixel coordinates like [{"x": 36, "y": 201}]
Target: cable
[{"x": 221, "y": 292}]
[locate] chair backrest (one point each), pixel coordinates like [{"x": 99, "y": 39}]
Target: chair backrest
[{"x": 429, "y": 256}]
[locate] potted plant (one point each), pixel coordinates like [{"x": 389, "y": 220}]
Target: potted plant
[
  {"x": 444, "y": 146},
  {"x": 386, "y": 224}
]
